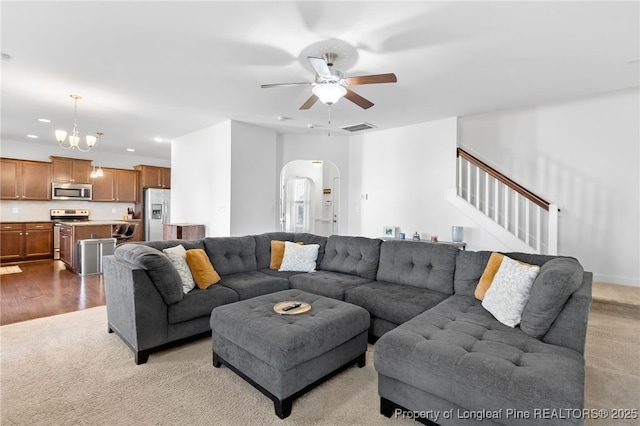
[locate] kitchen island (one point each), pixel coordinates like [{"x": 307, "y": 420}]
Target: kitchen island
[{"x": 72, "y": 232}]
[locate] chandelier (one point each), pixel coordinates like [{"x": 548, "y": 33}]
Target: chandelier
[
  {"x": 96, "y": 173},
  {"x": 74, "y": 138}
]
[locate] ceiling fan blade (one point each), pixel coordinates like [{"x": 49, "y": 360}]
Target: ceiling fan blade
[
  {"x": 321, "y": 67},
  {"x": 267, "y": 86},
  {"x": 372, "y": 79},
  {"x": 309, "y": 103},
  {"x": 358, "y": 100}
]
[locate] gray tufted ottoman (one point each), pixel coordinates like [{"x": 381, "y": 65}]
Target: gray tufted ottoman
[{"x": 284, "y": 356}]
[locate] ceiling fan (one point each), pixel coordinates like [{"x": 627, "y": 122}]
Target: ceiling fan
[{"x": 330, "y": 84}]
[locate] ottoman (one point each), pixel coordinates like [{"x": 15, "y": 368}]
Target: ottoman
[{"x": 285, "y": 356}]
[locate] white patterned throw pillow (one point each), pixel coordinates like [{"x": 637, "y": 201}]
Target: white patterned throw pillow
[
  {"x": 300, "y": 258},
  {"x": 509, "y": 292},
  {"x": 178, "y": 257}
]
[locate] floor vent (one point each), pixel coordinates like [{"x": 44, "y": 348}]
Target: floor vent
[{"x": 359, "y": 127}]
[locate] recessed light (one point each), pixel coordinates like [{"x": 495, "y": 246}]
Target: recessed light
[
  {"x": 158, "y": 140},
  {"x": 44, "y": 120},
  {"x": 131, "y": 150},
  {"x": 32, "y": 136}
]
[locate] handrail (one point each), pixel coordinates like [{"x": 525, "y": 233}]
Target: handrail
[{"x": 537, "y": 200}]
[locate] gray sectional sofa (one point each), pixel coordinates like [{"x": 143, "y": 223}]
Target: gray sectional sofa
[{"x": 441, "y": 357}]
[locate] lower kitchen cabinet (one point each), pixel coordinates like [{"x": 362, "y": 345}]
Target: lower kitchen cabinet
[{"x": 26, "y": 241}]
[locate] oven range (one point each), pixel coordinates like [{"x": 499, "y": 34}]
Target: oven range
[{"x": 58, "y": 216}]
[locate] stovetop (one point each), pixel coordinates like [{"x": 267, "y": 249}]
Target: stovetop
[{"x": 69, "y": 215}]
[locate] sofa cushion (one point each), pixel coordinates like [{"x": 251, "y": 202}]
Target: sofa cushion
[
  {"x": 203, "y": 271},
  {"x": 396, "y": 303},
  {"x": 159, "y": 268},
  {"x": 458, "y": 352},
  {"x": 326, "y": 283},
  {"x": 470, "y": 266},
  {"x": 418, "y": 264},
  {"x": 231, "y": 255},
  {"x": 299, "y": 257},
  {"x": 277, "y": 254},
  {"x": 490, "y": 271},
  {"x": 509, "y": 291},
  {"x": 254, "y": 283},
  {"x": 178, "y": 256},
  {"x": 263, "y": 246},
  {"x": 352, "y": 255},
  {"x": 198, "y": 303},
  {"x": 164, "y": 244},
  {"x": 558, "y": 279},
  {"x": 306, "y": 238}
]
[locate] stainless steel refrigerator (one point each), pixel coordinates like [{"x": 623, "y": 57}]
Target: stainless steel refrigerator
[{"x": 157, "y": 205}]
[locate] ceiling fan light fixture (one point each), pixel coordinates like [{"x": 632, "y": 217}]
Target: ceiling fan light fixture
[{"x": 329, "y": 93}]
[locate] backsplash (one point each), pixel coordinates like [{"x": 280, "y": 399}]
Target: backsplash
[{"x": 29, "y": 211}]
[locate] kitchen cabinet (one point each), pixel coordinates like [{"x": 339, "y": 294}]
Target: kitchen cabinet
[
  {"x": 118, "y": 185},
  {"x": 70, "y": 170},
  {"x": 71, "y": 233},
  {"x": 25, "y": 180},
  {"x": 26, "y": 241},
  {"x": 154, "y": 176}
]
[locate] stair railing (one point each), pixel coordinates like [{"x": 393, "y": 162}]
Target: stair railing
[{"x": 522, "y": 213}]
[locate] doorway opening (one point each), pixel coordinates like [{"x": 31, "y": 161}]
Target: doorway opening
[{"x": 310, "y": 197}]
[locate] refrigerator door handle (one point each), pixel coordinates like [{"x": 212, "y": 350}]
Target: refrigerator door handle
[{"x": 164, "y": 211}]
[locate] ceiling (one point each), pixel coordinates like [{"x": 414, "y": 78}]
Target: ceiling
[{"x": 158, "y": 69}]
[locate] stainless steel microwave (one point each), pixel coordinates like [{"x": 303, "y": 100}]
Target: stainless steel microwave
[{"x": 71, "y": 191}]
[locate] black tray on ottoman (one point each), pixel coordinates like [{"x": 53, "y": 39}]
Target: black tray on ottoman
[{"x": 284, "y": 356}]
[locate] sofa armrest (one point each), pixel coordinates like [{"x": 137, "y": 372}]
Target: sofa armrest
[
  {"x": 570, "y": 327},
  {"x": 135, "y": 308}
]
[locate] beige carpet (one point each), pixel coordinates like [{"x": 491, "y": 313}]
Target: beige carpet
[{"x": 67, "y": 370}]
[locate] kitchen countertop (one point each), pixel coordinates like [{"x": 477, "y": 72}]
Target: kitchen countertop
[{"x": 95, "y": 222}]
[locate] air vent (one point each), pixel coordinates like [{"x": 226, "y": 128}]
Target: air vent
[{"x": 359, "y": 127}]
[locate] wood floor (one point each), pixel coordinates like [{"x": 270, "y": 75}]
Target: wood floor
[{"x": 45, "y": 288}]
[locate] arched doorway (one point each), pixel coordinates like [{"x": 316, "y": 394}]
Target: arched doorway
[{"x": 310, "y": 197}]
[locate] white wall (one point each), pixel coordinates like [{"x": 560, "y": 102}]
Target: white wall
[
  {"x": 201, "y": 179},
  {"x": 253, "y": 179},
  {"x": 224, "y": 177},
  {"x": 401, "y": 177},
  {"x": 583, "y": 155}
]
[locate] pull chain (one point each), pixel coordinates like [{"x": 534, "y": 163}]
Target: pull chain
[{"x": 329, "y": 131}]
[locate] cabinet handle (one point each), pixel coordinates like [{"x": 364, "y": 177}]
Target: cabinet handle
[
  {"x": 21, "y": 233},
  {"x": 26, "y": 233}
]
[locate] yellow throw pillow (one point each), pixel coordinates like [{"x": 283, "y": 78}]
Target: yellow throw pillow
[
  {"x": 201, "y": 268},
  {"x": 277, "y": 253},
  {"x": 487, "y": 276}
]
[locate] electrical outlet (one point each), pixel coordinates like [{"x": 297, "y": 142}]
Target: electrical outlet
[
  {"x": 113, "y": 210},
  {"x": 14, "y": 210}
]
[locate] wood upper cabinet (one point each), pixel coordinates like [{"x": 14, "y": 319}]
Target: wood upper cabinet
[
  {"x": 118, "y": 185},
  {"x": 25, "y": 180},
  {"x": 70, "y": 170},
  {"x": 104, "y": 187},
  {"x": 154, "y": 176}
]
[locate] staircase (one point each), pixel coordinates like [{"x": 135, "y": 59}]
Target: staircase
[{"x": 512, "y": 213}]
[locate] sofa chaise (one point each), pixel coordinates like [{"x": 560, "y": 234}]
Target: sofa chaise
[{"x": 437, "y": 349}]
